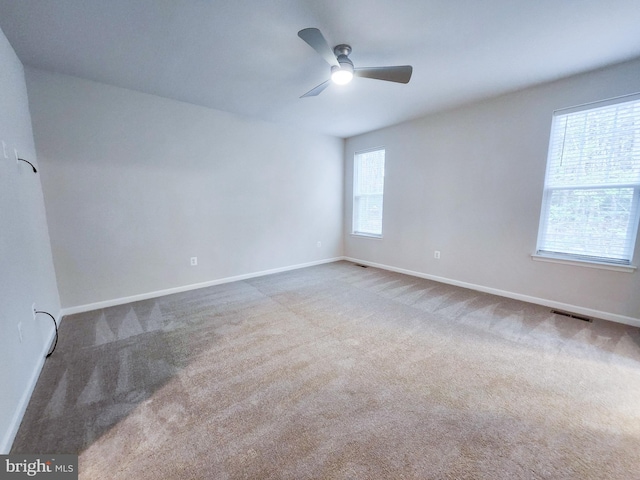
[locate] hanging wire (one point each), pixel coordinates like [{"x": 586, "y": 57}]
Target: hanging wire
[
  {"x": 32, "y": 166},
  {"x": 56, "y": 327}
]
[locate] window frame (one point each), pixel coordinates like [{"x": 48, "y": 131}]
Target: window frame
[
  {"x": 356, "y": 194},
  {"x": 634, "y": 221}
]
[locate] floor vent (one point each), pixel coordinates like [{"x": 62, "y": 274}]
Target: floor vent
[
  {"x": 360, "y": 265},
  {"x": 572, "y": 315}
]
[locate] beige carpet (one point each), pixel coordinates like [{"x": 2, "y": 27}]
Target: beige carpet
[{"x": 339, "y": 372}]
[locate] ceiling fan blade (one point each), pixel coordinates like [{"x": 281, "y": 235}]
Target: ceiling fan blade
[
  {"x": 314, "y": 38},
  {"x": 399, "y": 74},
  {"x": 316, "y": 90}
]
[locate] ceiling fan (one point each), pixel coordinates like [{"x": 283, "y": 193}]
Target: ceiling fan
[{"x": 342, "y": 69}]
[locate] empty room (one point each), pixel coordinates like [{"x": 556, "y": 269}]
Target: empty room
[{"x": 319, "y": 240}]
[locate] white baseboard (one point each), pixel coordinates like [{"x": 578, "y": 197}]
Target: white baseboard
[
  {"x": 10, "y": 435},
  {"x": 613, "y": 317},
  {"x": 159, "y": 293},
  {"x": 588, "y": 312}
]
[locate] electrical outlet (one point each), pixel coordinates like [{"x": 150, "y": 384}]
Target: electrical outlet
[
  {"x": 319, "y": 244},
  {"x": 436, "y": 254},
  {"x": 33, "y": 310},
  {"x": 194, "y": 261},
  {"x": 20, "y": 330},
  {"x": 4, "y": 150},
  {"x": 15, "y": 152}
]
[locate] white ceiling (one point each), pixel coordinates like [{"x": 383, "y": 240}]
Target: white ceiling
[{"x": 244, "y": 56}]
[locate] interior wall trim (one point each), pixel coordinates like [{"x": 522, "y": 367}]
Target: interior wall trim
[
  {"x": 160, "y": 293},
  {"x": 588, "y": 312},
  {"x": 7, "y": 441}
]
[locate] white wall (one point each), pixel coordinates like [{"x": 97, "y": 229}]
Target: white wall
[
  {"x": 136, "y": 184},
  {"x": 26, "y": 266},
  {"x": 468, "y": 182}
]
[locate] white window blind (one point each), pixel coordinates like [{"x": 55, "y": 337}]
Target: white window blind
[
  {"x": 591, "y": 196},
  {"x": 368, "y": 188}
]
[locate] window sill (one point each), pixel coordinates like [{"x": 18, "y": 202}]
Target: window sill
[
  {"x": 584, "y": 263},
  {"x": 366, "y": 235}
]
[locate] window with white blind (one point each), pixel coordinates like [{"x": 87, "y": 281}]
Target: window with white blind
[
  {"x": 368, "y": 188},
  {"x": 591, "y": 200}
]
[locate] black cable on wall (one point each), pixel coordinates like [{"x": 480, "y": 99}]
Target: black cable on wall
[
  {"x": 34, "y": 171},
  {"x": 56, "y": 327}
]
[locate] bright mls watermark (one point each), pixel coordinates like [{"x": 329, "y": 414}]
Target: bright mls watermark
[{"x": 50, "y": 467}]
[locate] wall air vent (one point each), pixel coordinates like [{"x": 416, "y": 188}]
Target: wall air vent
[{"x": 572, "y": 315}]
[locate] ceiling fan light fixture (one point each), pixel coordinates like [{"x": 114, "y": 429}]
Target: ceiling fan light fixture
[{"x": 341, "y": 76}]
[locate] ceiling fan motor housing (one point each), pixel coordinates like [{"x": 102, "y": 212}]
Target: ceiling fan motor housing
[{"x": 342, "y": 53}]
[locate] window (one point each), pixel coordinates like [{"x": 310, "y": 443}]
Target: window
[
  {"x": 590, "y": 205},
  {"x": 368, "y": 186}
]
